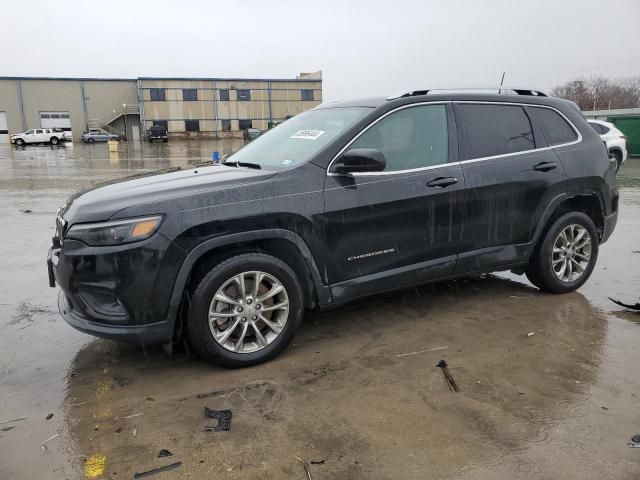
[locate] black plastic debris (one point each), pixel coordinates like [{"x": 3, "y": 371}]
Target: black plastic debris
[
  {"x": 50, "y": 416},
  {"x": 166, "y": 468},
  {"x": 6, "y": 429},
  {"x": 26, "y": 210},
  {"x": 636, "y": 438},
  {"x": 223, "y": 417},
  {"x": 453, "y": 386},
  {"x": 317, "y": 462},
  {"x": 164, "y": 453},
  {"x": 626, "y": 305}
]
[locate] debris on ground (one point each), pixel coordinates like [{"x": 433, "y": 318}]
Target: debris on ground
[
  {"x": 118, "y": 430},
  {"x": 25, "y": 311},
  {"x": 42, "y": 444},
  {"x": 26, "y": 210},
  {"x": 14, "y": 420},
  {"x": 453, "y": 386},
  {"x": 635, "y": 441},
  {"x": 317, "y": 462},
  {"x": 49, "y": 417},
  {"x": 306, "y": 467},
  {"x": 223, "y": 417},
  {"x": 422, "y": 351},
  {"x": 625, "y": 305},
  {"x": 166, "y": 468},
  {"x": 6, "y": 429},
  {"x": 135, "y": 429},
  {"x": 164, "y": 453},
  {"x": 531, "y": 334}
]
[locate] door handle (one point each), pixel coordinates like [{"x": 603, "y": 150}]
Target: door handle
[
  {"x": 545, "y": 166},
  {"x": 442, "y": 182}
]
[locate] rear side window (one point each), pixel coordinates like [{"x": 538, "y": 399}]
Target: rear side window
[
  {"x": 555, "y": 128},
  {"x": 489, "y": 130}
]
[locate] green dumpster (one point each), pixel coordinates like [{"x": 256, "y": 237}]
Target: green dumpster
[{"x": 630, "y": 126}]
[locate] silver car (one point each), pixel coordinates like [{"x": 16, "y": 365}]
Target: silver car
[{"x": 98, "y": 135}]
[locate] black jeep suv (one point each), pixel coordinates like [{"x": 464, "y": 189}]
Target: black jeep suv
[{"x": 342, "y": 201}]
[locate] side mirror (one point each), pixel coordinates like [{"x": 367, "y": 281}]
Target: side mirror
[{"x": 360, "y": 160}]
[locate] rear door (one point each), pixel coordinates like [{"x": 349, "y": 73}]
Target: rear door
[
  {"x": 511, "y": 175},
  {"x": 402, "y": 225},
  {"x": 40, "y": 136}
]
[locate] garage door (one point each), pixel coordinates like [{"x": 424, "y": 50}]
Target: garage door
[
  {"x": 60, "y": 120},
  {"x": 4, "y": 132}
]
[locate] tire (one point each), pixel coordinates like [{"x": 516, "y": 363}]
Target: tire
[
  {"x": 232, "y": 352},
  {"x": 114, "y": 139},
  {"x": 165, "y": 140},
  {"x": 54, "y": 141},
  {"x": 20, "y": 142},
  {"x": 541, "y": 271},
  {"x": 90, "y": 140}
]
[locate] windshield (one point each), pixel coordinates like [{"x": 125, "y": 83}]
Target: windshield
[{"x": 299, "y": 138}]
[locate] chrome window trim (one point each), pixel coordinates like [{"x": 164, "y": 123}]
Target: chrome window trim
[{"x": 459, "y": 162}]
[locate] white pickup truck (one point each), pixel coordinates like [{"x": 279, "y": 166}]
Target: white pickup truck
[{"x": 41, "y": 135}]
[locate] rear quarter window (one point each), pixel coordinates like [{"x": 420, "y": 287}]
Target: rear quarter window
[{"x": 555, "y": 128}]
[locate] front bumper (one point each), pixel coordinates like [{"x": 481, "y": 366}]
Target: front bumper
[
  {"x": 119, "y": 292},
  {"x": 149, "y": 334}
]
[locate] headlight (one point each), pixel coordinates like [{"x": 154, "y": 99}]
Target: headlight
[{"x": 115, "y": 232}]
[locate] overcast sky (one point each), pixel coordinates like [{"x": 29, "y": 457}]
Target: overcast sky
[{"x": 368, "y": 47}]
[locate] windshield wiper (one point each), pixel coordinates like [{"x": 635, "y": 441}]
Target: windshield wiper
[{"x": 242, "y": 164}]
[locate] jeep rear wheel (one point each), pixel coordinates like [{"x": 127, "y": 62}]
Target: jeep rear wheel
[
  {"x": 566, "y": 254},
  {"x": 53, "y": 140},
  {"x": 245, "y": 310}
]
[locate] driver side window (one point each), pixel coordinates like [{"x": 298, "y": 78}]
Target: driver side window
[{"x": 410, "y": 138}]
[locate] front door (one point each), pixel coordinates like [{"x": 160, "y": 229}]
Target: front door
[
  {"x": 400, "y": 226},
  {"x": 510, "y": 177}
]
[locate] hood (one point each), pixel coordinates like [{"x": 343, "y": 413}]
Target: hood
[{"x": 100, "y": 202}]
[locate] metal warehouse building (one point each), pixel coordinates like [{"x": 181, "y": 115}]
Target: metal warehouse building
[{"x": 186, "y": 106}]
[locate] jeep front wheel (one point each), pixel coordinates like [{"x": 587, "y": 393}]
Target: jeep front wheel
[
  {"x": 245, "y": 310},
  {"x": 566, "y": 254}
]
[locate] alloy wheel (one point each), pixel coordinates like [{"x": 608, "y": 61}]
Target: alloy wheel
[
  {"x": 248, "y": 312},
  {"x": 571, "y": 253}
]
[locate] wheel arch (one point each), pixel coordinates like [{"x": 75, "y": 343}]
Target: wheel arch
[
  {"x": 590, "y": 203},
  {"x": 282, "y": 244}
]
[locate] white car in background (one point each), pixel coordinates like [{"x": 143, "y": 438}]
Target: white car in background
[
  {"x": 615, "y": 140},
  {"x": 40, "y": 135}
]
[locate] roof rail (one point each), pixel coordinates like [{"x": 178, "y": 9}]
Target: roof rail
[{"x": 499, "y": 90}]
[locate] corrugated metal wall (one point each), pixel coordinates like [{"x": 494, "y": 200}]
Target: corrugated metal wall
[
  {"x": 630, "y": 126},
  {"x": 103, "y": 97},
  {"x": 53, "y": 96},
  {"x": 10, "y": 104}
]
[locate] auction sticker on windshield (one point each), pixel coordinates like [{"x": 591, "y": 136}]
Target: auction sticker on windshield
[{"x": 308, "y": 134}]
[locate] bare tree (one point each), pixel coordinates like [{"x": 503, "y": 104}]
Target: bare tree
[{"x": 599, "y": 93}]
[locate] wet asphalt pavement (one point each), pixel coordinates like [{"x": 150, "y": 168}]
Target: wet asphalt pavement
[{"x": 549, "y": 384}]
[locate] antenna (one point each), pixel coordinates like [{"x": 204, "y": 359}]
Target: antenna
[{"x": 501, "y": 83}]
